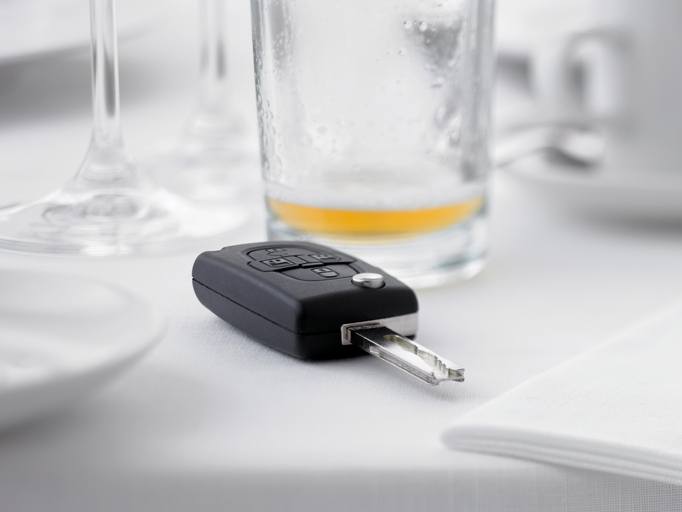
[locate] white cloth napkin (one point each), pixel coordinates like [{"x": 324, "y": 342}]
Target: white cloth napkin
[{"x": 616, "y": 408}]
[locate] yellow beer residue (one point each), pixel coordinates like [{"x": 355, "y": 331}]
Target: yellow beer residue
[{"x": 314, "y": 219}]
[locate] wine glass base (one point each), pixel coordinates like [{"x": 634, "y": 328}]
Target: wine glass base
[
  {"x": 215, "y": 176},
  {"x": 111, "y": 222}
]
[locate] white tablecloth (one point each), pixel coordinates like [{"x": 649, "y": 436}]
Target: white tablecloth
[{"x": 213, "y": 421}]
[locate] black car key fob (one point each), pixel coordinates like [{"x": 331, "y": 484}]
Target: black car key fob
[{"x": 313, "y": 302}]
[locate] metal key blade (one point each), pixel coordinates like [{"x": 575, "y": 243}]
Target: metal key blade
[{"x": 405, "y": 354}]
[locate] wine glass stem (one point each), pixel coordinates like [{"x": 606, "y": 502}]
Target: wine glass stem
[
  {"x": 213, "y": 64},
  {"x": 106, "y": 163},
  {"x": 105, "y": 87}
]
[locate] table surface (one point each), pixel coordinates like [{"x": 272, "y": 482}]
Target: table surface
[{"x": 211, "y": 419}]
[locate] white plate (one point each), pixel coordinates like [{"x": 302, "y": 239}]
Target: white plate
[
  {"x": 61, "y": 337},
  {"x": 603, "y": 192},
  {"x": 524, "y": 25},
  {"x": 33, "y": 28}
]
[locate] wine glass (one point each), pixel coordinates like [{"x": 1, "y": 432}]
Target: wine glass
[
  {"x": 214, "y": 160},
  {"x": 110, "y": 206}
]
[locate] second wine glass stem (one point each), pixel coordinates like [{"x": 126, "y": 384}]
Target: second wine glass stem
[{"x": 213, "y": 66}]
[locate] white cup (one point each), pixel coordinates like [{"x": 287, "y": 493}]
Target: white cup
[{"x": 622, "y": 75}]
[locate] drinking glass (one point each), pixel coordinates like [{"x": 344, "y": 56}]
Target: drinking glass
[
  {"x": 214, "y": 159},
  {"x": 374, "y": 121},
  {"x": 109, "y": 207}
]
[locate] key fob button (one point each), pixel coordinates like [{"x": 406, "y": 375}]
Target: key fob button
[
  {"x": 326, "y": 272},
  {"x": 321, "y": 273},
  {"x": 369, "y": 280},
  {"x": 275, "y": 264},
  {"x": 325, "y": 259},
  {"x": 276, "y": 252}
]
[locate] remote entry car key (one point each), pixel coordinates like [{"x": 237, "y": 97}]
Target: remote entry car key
[{"x": 313, "y": 302}]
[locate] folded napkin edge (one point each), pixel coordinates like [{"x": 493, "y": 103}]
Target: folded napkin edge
[{"x": 564, "y": 450}]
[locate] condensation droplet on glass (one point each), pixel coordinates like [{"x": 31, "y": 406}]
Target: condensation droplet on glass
[
  {"x": 407, "y": 24},
  {"x": 423, "y": 26}
]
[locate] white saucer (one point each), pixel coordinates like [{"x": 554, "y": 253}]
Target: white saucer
[
  {"x": 61, "y": 337},
  {"x": 604, "y": 192},
  {"x": 34, "y": 28}
]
